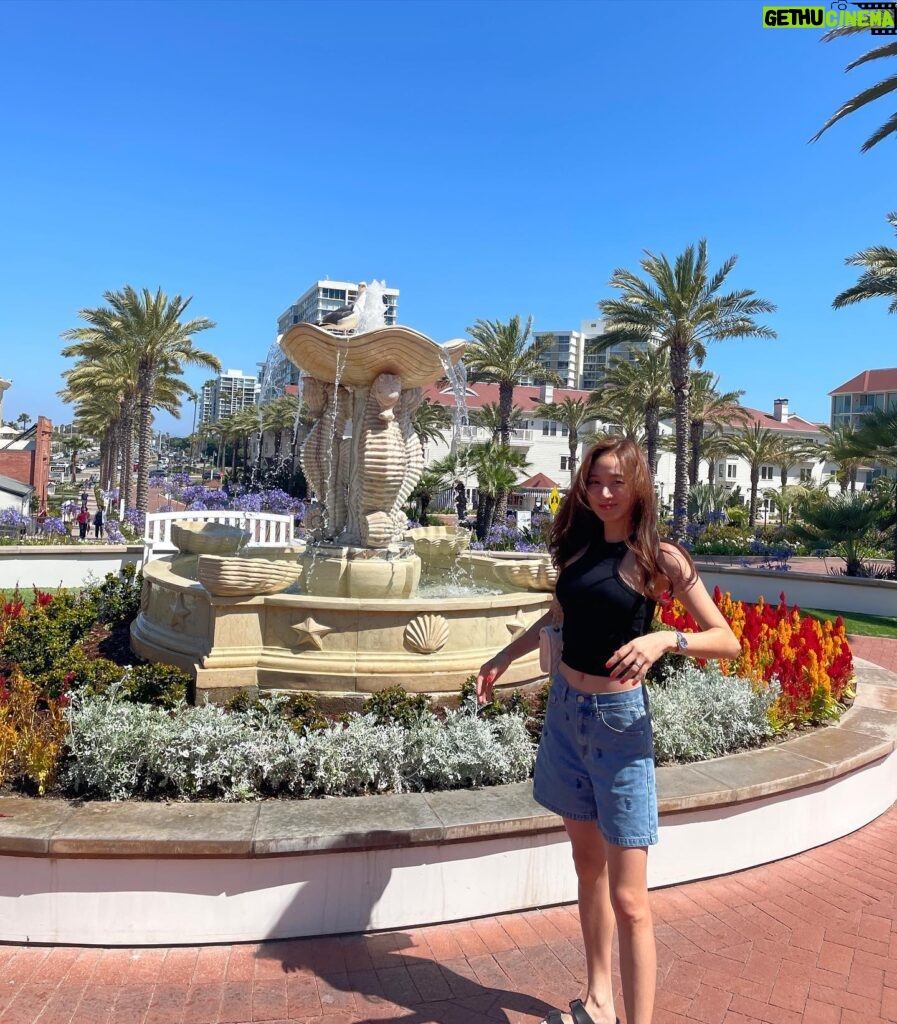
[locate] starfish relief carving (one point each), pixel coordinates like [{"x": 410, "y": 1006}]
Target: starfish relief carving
[
  {"x": 517, "y": 624},
  {"x": 311, "y": 632},
  {"x": 180, "y": 611}
]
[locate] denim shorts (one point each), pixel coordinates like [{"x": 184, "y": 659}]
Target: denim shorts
[{"x": 596, "y": 762}]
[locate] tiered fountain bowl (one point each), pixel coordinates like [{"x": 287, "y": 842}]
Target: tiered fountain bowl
[{"x": 357, "y": 624}]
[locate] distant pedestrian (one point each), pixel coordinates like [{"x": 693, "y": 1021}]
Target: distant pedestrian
[
  {"x": 83, "y": 521},
  {"x": 84, "y": 498},
  {"x": 98, "y": 523}
]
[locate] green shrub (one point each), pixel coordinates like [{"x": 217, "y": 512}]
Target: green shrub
[
  {"x": 42, "y": 637},
  {"x": 161, "y": 685},
  {"x": 300, "y": 710},
  {"x": 394, "y": 706},
  {"x": 117, "y": 598}
]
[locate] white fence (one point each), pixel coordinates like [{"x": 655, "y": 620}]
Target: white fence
[{"x": 266, "y": 529}]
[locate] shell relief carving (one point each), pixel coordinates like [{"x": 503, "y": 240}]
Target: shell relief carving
[{"x": 427, "y": 634}]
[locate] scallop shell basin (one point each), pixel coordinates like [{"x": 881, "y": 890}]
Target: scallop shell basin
[
  {"x": 414, "y": 357},
  {"x": 531, "y": 574},
  {"x": 230, "y": 577},
  {"x": 202, "y": 538}
]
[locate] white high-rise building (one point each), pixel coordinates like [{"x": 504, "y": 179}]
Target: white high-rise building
[
  {"x": 321, "y": 298},
  {"x": 325, "y": 296},
  {"x": 226, "y": 394},
  {"x": 569, "y": 357},
  {"x": 595, "y": 364}
]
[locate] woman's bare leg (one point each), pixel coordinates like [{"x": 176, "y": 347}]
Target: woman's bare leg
[
  {"x": 628, "y": 881},
  {"x": 596, "y": 917}
]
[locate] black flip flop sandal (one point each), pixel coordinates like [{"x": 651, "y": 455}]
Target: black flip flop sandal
[
  {"x": 579, "y": 1014},
  {"x": 577, "y": 1011}
]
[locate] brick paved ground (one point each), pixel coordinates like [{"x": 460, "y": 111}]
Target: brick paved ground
[{"x": 808, "y": 940}]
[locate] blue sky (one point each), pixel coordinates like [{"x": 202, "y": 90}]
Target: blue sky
[{"x": 487, "y": 158}]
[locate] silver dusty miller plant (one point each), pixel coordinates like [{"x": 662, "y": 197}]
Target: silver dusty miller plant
[
  {"x": 699, "y": 713},
  {"x": 119, "y": 750}
]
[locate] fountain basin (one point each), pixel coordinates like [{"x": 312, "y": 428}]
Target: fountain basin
[
  {"x": 228, "y": 577},
  {"x": 201, "y": 538},
  {"x": 526, "y": 573},
  {"x": 439, "y": 546},
  {"x": 341, "y": 647},
  {"x": 333, "y": 570}
]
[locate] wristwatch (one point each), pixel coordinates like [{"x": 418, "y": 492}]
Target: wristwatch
[{"x": 681, "y": 642}]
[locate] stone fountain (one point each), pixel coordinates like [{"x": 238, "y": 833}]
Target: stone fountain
[{"x": 358, "y": 625}]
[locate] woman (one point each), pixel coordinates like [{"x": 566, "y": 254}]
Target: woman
[{"x": 595, "y": 764}]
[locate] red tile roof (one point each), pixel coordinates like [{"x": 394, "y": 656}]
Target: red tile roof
[
  {"x": 755, "y": 417},
  {"x": 869, "y": 380},
  {"x": 479, "y": 395},
  {"x": 539, "y": 482}
]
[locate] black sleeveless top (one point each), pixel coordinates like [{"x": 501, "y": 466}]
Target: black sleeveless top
[{"x": 601, "y": 611}]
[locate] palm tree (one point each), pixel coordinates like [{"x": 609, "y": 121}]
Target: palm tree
[
  {"x": 869, "y": 95},
  {"x": 23, "y": 419},
  {"x": 839, "y": 446},
  {"x": 279, "y": 415},
  {"x": 847, "y": 520},
  {"x": 879, "y": 276},
  {"x": 679, "y": 308},
  {"x": 488, "y": 416},
  {"x": 758, "y": 445},
  {"x": 574, "y": 414},
  {"x": 789, "y": 497},
  {"x": 707, "y": 404},
  {"x": 505, "y": 355},
  {"x": 150, "y": 327},
  {"x": 876, "y": 439},
  {"x": 641, "y": 383},
  {"x": 71, "y": 445},
  {"x": 431, "y": 420},
  {"x": 244, "y": 425},
  {"x": 715, "y": 446},
  {"x": 792, "y": 452},
  {"x": 622, "y": 419},
  {"x": 496, "y": 467}
]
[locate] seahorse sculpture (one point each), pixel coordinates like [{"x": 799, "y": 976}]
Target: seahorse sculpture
[
  {"x": 338, "y": 481},
  {"x": 382, "y": 457},
  {"x": 414, "y": 454},
  {"x": 320, "y": 456}
]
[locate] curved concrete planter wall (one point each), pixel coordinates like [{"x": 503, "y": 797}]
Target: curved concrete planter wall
[
  {"x": 134, "y": 874},
  {"x": 63, "y": 565},
  {"x": 809, "y": 590}
]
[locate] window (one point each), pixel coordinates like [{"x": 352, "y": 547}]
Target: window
[
  {"x": 564, "y": 461},
  {"x": 766, "y": 472},
  {"x": 731, "y": 470},
  {"x": 806, "y": 474},
  {"x": 545, "y": 428},
  {"x": 564, "y": 430}
]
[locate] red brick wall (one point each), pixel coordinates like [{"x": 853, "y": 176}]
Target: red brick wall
[{"x": 32, "y": 467}]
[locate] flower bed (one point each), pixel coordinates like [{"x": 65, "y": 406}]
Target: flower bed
[
  {"x": 74, "y": 709},
  {"x": 810, "y": 660}
]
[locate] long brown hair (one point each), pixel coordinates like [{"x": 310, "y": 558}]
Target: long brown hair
[{"x": 575, "y": 526}]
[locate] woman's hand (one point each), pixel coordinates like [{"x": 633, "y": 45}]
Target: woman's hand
[
  {"x": 489, "y": 672},
  {"x": 632, "y": 662}
]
